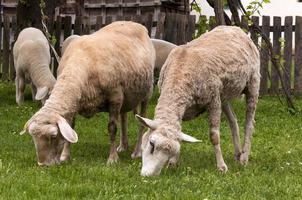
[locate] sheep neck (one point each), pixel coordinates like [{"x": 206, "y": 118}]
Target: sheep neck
[
  {"x": 170, "y": 109},
  {"x": 42, "y": 76},
  {"x": 65, "y": 97}
]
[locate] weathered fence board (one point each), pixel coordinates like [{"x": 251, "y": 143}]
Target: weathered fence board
[
  {"x": 6, "y": 39},
  {"x": 288, "y": 48},
  {"x": 298, "y": 55},
  {"x": 277, "y": 52},
  {"x": 67, "y": 26},
  {"x": 264, "y": 57}
]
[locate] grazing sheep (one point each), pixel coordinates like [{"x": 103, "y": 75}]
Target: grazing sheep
[
  {"x": 111, "y": 71},
  {"x": 67, "y": 41},
  {"x": 32, "y": 59},
  {"x": 203, "y": 75},
  {"x": 162, "y": 49}
]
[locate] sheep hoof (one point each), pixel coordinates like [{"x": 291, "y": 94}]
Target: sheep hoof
[
  {"x": 244, "y": 158},
  {"x": 112, "y": 160},
  {"x": 122, "y": 148},
  {"x": 223, "y": 168},
  {"x": 136, "y": 154}
]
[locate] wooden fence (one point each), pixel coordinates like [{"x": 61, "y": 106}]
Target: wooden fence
[{"x": 179, "y": 29}]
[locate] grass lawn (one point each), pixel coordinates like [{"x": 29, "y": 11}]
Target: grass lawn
[{"x": 274, "y": 170}]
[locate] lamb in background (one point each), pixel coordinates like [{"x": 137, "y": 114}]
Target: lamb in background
[
  {"x": 113, "y": 77},
  {"x": 67, "y": 41},
  {"x": 203, "y": 75},
  {"x": 32, "y": 59}
]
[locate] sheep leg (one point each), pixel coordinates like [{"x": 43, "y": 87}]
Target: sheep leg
[
  {"x": 214, "y": 122},
  {"x": 114, "y": 111},
  {"x": 251, "y": 101},
  {"x": 20, "y": 87},
  {"x": 33, "y": 91},
  {"x": 138, "y": 151},
  {"x": 231, "y": 117},
  {"x": 124, "y": 133}
]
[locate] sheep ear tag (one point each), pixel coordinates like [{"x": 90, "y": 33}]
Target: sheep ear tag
[
  {"x": 188, "y": 138},
  {"x": 147, "y": 122},
  {"x": 41, "y": 93},
  {"x": 67, "y": 132}
]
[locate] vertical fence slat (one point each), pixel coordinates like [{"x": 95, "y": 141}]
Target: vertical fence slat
[
  {"x": 12, "y": 42},
  {"x": 277, "y": 51},
  {"x": 190, "y": 28},
  {"x": 148, "y": 22},
  {"x": 264, "y": 56},
  {"x": 87, "y": 26},
  {"x": 181, "y": 32},
  {"x": 1, "y": 66},
  {"x": 78, "y": 25},
  {"x": 170, "y": 28},
  {"x": 58, "y": 27},
  {"x": 288, "y": 46},
  {"x": 67, "y": 26},
  {"x": 99, "y": 23},
  {"x": 5, "y": 48},
  {"x": 160, "y": 27},
  {"x": 254, "y": 35},
  {"x": 298, "y": 55}
]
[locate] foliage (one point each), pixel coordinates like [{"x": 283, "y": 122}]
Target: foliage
[
  {"x": 254, "y": 7},
  {"x": 274, "y": 171}
]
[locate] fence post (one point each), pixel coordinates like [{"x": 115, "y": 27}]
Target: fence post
[
  {"x": 264, "y": 56},
  {"x": 277, "y": 52},
  {"x": 67, "y": 26},
  {"x": 58, "y": 24},
  {"x": 288, "y": 47},
  {"x": 160, "y": 27},
  {"x": 14, "y": 36},
  {"x": 254, "y": 36},
  {"x": 78, "y": 26},
  {"x": 6, "y": 42},
  {"x": 298, "y": 55}
]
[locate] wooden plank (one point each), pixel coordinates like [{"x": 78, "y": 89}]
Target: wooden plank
[
  {"x": 5, "y": 67},
  {"x": 244, "y": 24},
  {"x": 190, "y": 32},
  {"x": 254, "y": 36},
  {"x": 170, "y": 28},
  {"x": 67, "y": 26},
  {"x": 78, "y": 25},
  {"x": 99, "y": 23},
  {"x": 86, "y": 26},
  {"x": 160, "y": 27},
  {"x": 137, "y": 19},
  {"x": 108, "y": 20},
  {"x": 58, "y": 26},
  {"x": 182, "y": 21},
  {"x": 264, "y": 56},
  {"x": 148, "y": 22},
  {"x": 298, "y": 55},
  {"x": 1, "y": 56},
  {"x": 12, "y": 71},
  {"x": 277, "y": 52},
  {"x": 288, "y": 46}
]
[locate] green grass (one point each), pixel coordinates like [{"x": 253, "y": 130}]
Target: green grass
[{"x": 274, "y": 170}]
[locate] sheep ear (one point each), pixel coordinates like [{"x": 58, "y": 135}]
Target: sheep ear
[
  {"x": 41, "y": 93},
  {"x": 147, "y": 122},
  {"x": 188, "y": 138},
  {"x": 67, "y": 132}
]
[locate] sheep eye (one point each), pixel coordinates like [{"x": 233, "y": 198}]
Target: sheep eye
[{"x": 152, "y": 147}]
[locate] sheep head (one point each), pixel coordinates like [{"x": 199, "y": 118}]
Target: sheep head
[
  {"x": 159, "y": 145},
  {"x": 49, "y": 132}
]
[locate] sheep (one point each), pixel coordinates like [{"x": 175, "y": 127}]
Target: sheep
[
  {"x": 203, "y": 75},
  {"x": 67, "y": 41},
  {"x": 162, "y": 50},
  {"x": 110, "y": 71},
  {"x": 32, "y": 59}
]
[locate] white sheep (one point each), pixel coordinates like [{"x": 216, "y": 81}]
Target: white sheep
[
  {"x": 111, "y": 71},
  {"x": 32, "y": 59},
  {"x": 67, "y": 41},
  {"x": 203, "y": 75},
  {"x": 162, "y": 49}
]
